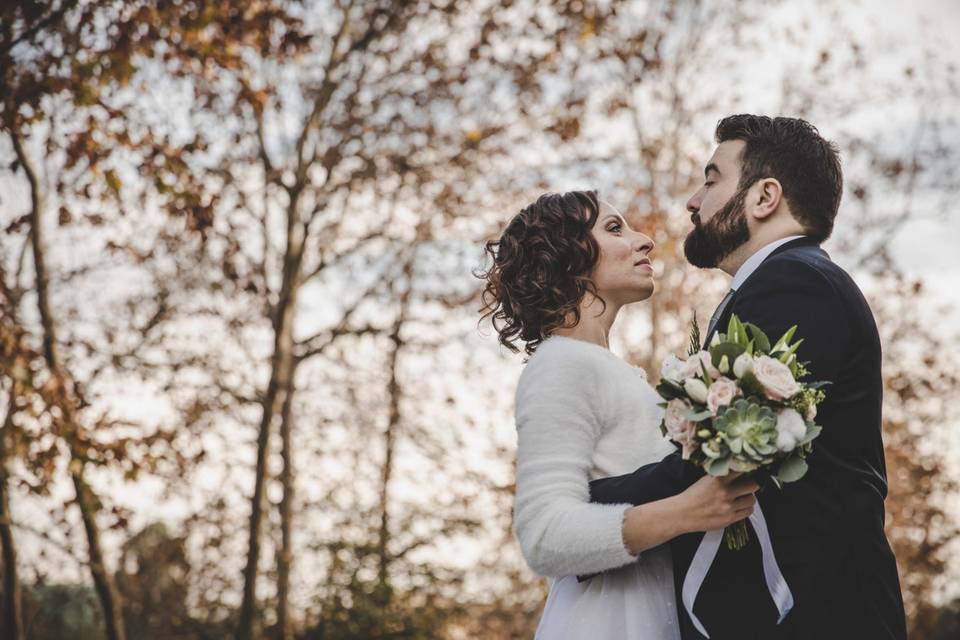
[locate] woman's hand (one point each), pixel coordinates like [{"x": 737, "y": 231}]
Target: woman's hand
[
  {"x": 710, "y": 503},
  {"x": 715, "y": 503}
]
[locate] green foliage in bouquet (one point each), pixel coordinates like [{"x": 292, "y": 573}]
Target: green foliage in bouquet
[
  {"x": 738, "y": 406},
  {"x": 745, "y": 337},
  {"x": 694, "y": 336}
]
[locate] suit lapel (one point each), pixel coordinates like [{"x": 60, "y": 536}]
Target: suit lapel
[
  {"x": 717, "y": 316},
  {"x": 722, "y": 321},
  {"x": 727, "y": 311}
]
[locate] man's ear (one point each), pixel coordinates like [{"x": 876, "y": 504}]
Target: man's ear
[{"x": 765, "y": 196}]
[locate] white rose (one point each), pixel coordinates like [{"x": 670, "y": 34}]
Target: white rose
[
  {"x": 721, "y": 394},
  {"x": 790, "y": 429},
  {"x": 671, "y": 368},
  {"x": 696, "y": 389},
  {"x": 679, "y": 429},
  {"x": 775, "y": 378},
  {"x": 692, "y": 367},
  {"x": 743, "y": 365}
]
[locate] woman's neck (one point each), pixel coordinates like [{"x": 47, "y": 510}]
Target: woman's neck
[{"x": 594, "y": 326}]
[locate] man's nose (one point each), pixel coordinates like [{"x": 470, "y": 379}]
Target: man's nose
[{"x": 693, "y": 204}]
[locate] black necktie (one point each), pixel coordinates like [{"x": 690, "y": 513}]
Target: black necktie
[{"x": 719, "y": 312}]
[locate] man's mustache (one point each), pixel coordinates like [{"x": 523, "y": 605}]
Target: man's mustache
[{"x": 695, "y": 219}]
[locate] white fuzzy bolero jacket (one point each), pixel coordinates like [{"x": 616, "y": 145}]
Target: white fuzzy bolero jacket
[{"x": 582, "y": 413}]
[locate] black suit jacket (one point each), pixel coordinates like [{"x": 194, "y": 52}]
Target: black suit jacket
[{"x": 827, "y": 528}]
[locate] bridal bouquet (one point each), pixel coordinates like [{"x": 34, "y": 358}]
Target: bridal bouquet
[{"x": 738, "y": 406}]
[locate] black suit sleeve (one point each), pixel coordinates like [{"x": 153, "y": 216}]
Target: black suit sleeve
[
  {"x": 650, "y": 482},
  {"x": 787, "y": 292}
]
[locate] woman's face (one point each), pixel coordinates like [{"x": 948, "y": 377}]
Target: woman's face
[{"x": 623, "y": 273}]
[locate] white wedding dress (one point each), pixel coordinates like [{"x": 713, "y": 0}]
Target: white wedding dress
[{"x": 584, "y": 413}]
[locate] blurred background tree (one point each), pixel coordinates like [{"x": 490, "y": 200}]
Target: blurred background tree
[{"x": 247, "y": 234}]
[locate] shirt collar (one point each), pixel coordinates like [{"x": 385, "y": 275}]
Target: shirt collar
[{"x": 756, "y": 259}]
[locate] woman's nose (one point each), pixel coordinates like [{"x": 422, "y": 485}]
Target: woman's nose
[{"x": 643, "y": 243}]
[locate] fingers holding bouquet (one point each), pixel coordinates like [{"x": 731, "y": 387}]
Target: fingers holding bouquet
[{"x": 717, "y": 502}]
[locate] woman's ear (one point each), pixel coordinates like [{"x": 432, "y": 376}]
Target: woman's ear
[{"x": 765, "y": 198}]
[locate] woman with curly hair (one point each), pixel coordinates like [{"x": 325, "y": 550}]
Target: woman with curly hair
[{"x": 562, "y": 270}]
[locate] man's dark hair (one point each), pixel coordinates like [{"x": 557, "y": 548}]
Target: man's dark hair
[{"x": 792, "y": 151}]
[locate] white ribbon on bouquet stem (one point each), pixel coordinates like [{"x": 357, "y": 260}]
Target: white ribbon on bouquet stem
[{"x": 707, "y": 551}]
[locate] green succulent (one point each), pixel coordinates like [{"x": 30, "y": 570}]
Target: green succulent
[{"x": 750, "y": 432}]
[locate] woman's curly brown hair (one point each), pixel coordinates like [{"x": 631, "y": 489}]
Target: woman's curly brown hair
[{"x": 541, "y": 269}]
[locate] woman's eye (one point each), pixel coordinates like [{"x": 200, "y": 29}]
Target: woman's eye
[
  {"x": 614, "y": 227},
  {"x": 709, "y": 183}
]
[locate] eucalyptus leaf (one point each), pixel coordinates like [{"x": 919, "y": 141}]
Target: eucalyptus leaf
[
  {"x": 760, "y": 339},
  {"x": 695, "y": 416},
  {"x": 792, "y": 469},
  {"x": 813, "y": 430},
  {"x": 729, "y": 349},
  {"x": 719, "y": 467}
]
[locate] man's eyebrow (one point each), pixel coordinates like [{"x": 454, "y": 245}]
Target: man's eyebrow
[{"x": 711, "y": 167}]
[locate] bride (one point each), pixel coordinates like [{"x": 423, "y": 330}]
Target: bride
[{"x": 562, "y": 270}]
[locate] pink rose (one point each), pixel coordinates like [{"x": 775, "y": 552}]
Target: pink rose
[
  {"x": 679, "y": 429},
  {"x": 692, "y": 366},
  {"x": 721, "y": 394},
  {"x": 775, "y": 378}
]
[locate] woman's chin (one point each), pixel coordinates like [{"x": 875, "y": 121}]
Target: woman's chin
[{"x": 642, "y": 293}]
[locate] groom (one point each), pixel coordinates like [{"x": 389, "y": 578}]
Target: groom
[{"x": 769, "y": 198}]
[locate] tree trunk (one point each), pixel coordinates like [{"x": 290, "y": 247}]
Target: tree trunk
[
  {"x": 285, "y": 559},
  {"x": 11, "y": 623},
  {"x": 102, "y": 580},
  {"x": 390, "y": 435},
  {"x": 389, "y": 439},
  {"x": 281, "y": 372}
]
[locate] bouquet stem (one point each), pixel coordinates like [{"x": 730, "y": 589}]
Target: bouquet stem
[{"x": 736, "y": 535}]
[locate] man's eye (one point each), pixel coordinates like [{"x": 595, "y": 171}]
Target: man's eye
[{"x": 709, "y": 183}]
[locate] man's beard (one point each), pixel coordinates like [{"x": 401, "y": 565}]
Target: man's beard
[{"x": 712, "y": 241}]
